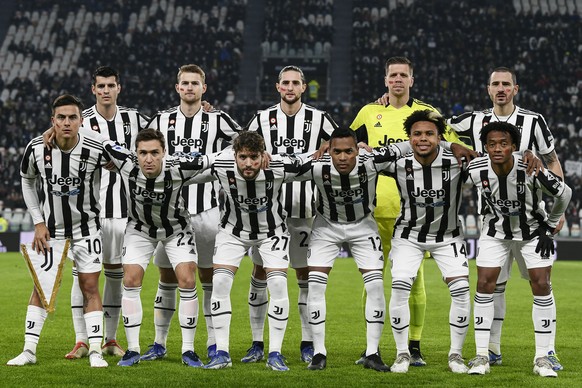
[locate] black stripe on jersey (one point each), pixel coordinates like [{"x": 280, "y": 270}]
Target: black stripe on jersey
[
  {"x": 253, "y": 215},
  {"x": 85, "y": 153},
  {"x": 322, "y": 134},
  {"x": 148, "y": 207},
  {"x": 409, "y": 171},
  {"x": 273, "y": 127},
  {"x": 363, "y": 176},
  {"x": 269, "y": 190},
  {"x": 446, "y": 170},
  {"x": 66, "y": 209},
  {"x": 487, "y": 206},
  {"x": 232, "y": 186},
  {"x": 326, "y": 178},
  {"x": 346, "y": 186},
  {"x": 48, "y": 168},
  {"x": 290, "y": 133},
  {"x": 127, "y": 128},
  {"x": 521, "y": 196},
  {"x": 307, "y": 128},
  {"x": 94, "y": 125},
  {"x": 504, "y": 195},
  {"x": 429, "y": 210},
  {"x": 132, "y": 188},
  {"x": 171, "y": 134}
]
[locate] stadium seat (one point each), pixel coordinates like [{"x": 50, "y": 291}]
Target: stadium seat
[{"x": 15, "y": 222}]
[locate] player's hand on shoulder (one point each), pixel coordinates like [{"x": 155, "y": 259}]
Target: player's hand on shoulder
[
  {"x": 383, "y": 100},
  {"x": 206, "y": 106},
  {"x": 534, "y": 164},
  {"x": 323, "y": 148},
  {"x": 266, "y": 160},
  {"x": 364, "y": 146},
  {"x": 48, "y": 137},
  {"x": 463, "y": 153}
]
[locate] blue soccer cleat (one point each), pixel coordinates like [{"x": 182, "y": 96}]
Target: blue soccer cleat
[
  {"x": 276, "y": 361},
  {"x": 130, "y": 358},
  {"x": 155, "y": 352},
  {"x": 211, "y": 351},
  {"x": 495, "y": 359},
  {"x": 220, "y": 360},
  {"x": 307, "y": 353},
  {"x": 190, "y": 358},
  {"x": 553, "y": 357},
  {"x": 255, "y": 353}
]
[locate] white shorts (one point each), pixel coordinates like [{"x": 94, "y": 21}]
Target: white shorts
[
  {"x": 205, "y": 226},
  {"x": 229, "y": 249},
  {"x": 362, "y": 236},
  {"x": 300, "y": 232},
  {"x": 138, "y": 248},
  {"x": 112, "y": 231},
  {"x": 406, "y": 257},
  {"x": 87, "y": 253},
  {"x": 505, "y": 273},
  {"x": 494, "y": 252}
]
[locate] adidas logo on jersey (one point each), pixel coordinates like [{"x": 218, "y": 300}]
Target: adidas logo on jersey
[
  {"x": 192, "y": 251},
  {"x": 97, "y": 261},
  {"x": 378, "y": 125}
]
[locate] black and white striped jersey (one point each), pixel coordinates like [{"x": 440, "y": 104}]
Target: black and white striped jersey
[
  {"x": 122, "y": 129},
  {"x": 535, "y": 134},
  {"x": 511, "y": 205},
  {"x": 430, "y": 198},
  {"x": 297, "y": 134},
  {"x": 155, "y": 205},
  {"x": 70, "y": 183},
  {"x": 253, "y": 208},
  {"x": 206, "y": 133}
]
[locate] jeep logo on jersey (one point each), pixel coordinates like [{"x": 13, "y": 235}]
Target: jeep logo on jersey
[
  {"x": 64, "y": 181},
  {"x": 347, "y": 193},
  {"x": 183, "y": 142},
  {"x": 508, "y": 203},
  {"x": 427, "y": 193},
  {"x": 252, "y": 201},
  {"x": 147, "y": 194},
  {"x": 389, "y": 140},
  {"x": 284, "y": 142}
]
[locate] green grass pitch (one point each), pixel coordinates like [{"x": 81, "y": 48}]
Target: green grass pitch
[{"x": 345, "y": 338}]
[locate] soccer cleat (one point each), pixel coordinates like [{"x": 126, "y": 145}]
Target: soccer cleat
[
  {"x": 553, "y": 357},
  {"x": 130, "y": 358},
  {"x": 190, "y": 358},
  {"x": 155, "y": 352},
  {"x": 401, "y": 363},
  {"x": 360, "y": 361},
  {"x": 220, "y": 360},
  {"x": 457, "y": 364},
  {"x": 544, "y": 367},
  {"x": 307, "y": 353},
  {"x": 479, "y": 365},
  {"x": 374, "y": 361},
  {"x": 211, "y": 351},
  {"x": 79, "y": 351},
  {"x": 318, "y": 362},
  {"x": 495, "y": 359},
  {"x": 255, "y": 353},
  {"x": 96, "y": 360},
  {"x": 276, "y": 361},
  {"x": 416, "y": 358},
  {"x": 25, "y": 358},
  {"x": 112, "y": 348}
]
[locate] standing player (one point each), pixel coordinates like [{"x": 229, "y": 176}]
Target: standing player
[
  {"x": 515, "y": 224},
  {"x": 380, "y": 125},
  {"x": 121, "y": 125},
  {"x": 288, "y": 127},
  {"x": 535, "y": 135},
  {"x": 188, "y": 128},
  {"x": 69, "y": 174}
]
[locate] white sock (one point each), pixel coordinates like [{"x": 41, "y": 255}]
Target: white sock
[
  {"x": 94, "y": 325},
  {"x": 112, "y": 290},
  {"x": 459, "y": 313},
  {"x": 278, "y": 309},
  {"x": 499, "y": 307},
  {"x": 375, "y": 310},
  {"x": 207, "y": 288},
  {"x": 400, "y": 312},
  {"x": 188, "y": 315},
  {"x": 543, "y": 323},
  {"x": 258, "y": 306},
  {"x": 221, "y": 308},
  {"x": 164, "y": 307},
  {"x": 483, "y": 313},
  {"x": 77, "y": 302},
  {"x": 303, "y": 315},
  {"x": 552, "y": 345},
  {"x": 35, "y": 317},
  {"x": 132, "y": 316},
  {"x": 316, "y": 309}
]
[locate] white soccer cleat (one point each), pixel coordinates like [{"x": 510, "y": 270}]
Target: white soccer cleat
[
  {"x": 401, "y": 363},
  {"x": 457, "y": 364},
  {"x": 24, "y": 358},
  {"x": 96, "y": 360},
  {"x": 479, "y": 365},
  {"x": 543, "y": 367}
]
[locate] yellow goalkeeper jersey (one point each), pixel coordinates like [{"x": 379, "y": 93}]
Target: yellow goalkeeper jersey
[{"x": 385, "y": 125}]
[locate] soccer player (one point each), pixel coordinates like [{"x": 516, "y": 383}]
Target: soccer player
[
  {"x": 157, "y": 214},
  {"x": 429, "y": 181},
  {"x": 502, "y": 87},
  {"x": 515, "y": 224},
  {"x": 188, "y": 128},
  {"x": 288, "y": 127},
  {"x": 121, "y": 125},
  {"x": 253, "y": 217},
  {"x": 380, "y": 125},
  {"x": 69, "y": 174}
]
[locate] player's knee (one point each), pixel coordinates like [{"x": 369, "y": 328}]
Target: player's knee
[
  {"x": 167, "y": 275},
  {"x": 485, "y": 285}
]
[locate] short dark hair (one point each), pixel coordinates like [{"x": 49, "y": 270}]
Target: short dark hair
[
  {"x": 150, "y": 134},
  {"x": 425, "y": 115},
  {"x": 501, "y": 126},
  {"x": 250, "y": 140},
  {"x": 399, "y": 61},
  {"x": 292, "y": 68},
  {"x": 105, "y": 71},
  {"x": 191, "y": 69},
  {"x": 67, "y": 99},
  {"x": 341, "y": 133},
  {"x": 502, "y": 69}
]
